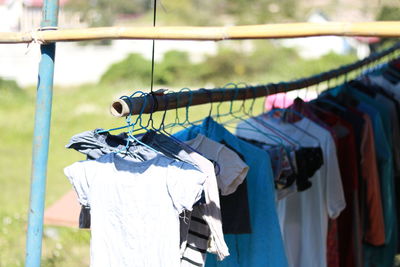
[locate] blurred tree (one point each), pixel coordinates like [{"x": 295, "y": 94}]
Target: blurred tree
[
  {"x": 174, "y": 68},
  {"x": 100, "y": 13},
  {"x": 9, "y": 85},
  {"x": 193, "y": 12},
  {"x": 134, "y": 68},
  {"x": 103, "y": 12},
  {"x": 387, "y": 13}
]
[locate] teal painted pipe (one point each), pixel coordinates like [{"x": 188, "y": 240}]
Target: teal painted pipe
[{"x": 41, "y": 140}]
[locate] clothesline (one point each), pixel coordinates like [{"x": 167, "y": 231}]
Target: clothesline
[
  {"x": 134, "y": 105},
  {"x": 267, "y": 31},
  {"x": 336, "y": 161}
]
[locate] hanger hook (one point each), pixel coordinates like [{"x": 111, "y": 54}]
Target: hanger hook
[
  {"x": 210, "y": 99},
  {"x": 128, "y": 118},
  {"x": 166, "y": 102},
  {"x": 236, "y": 92},
  {"x": 276, "y": 88},
  {"x": 154, "y": 108},
  {"x": 139, "y": 118},
  {"x": 176, "y": 108},
  {"x": 220, "y": 103},
  {"x": 254, "y": 90},
  {"x": 267, "y": 94},
  {"x": 188, "y": 104},
  {"x": 243, "y": 105}
]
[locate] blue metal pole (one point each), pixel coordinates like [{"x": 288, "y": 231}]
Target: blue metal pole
[{"x": 41, "y": 140}]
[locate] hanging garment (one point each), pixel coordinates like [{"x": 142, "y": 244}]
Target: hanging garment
[
  {"x": 205, "y": 221},
  {"x": 263, "y": 247},
  {"x": 97, "y": 143},
  {"x": 232, "y": 171},
  {"x": 383, "y": 100},
  {"x": 349, "y": 227},
  {"x": 374, "y": 227},
  {"x": 304, "y": 216},
  {"x": 332, "y": 244},
  {"x": 371, "y": 210},
  {"x": 391, "y": 89},
  {"x": 333, "y": 255},
  {"x": 383, "y": 255},
  {"x": 308, "y": 160},
  {"x": 283, "y": 161},
  {"x": 231, "y": 183},
  {"x": 93, "y": 143},
  {"x": 128, "y": 201}
]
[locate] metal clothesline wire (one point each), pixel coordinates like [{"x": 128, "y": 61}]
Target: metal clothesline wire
[{"x": 134, "y": 105}]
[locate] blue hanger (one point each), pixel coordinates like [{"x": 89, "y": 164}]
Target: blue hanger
[
  {"x": 131, "y": 138},
  {"x": 294, "y": 125},
  {"x": 176, "y": 140},
  {"x": 132, "y": 126},
  {"x": 272, "y": 137}
]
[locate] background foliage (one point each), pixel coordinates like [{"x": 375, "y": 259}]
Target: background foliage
[
  {"x": 265, "y": 63},
  {"x": 80, "y": 108}
]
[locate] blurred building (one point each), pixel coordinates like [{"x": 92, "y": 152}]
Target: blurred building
[
  {"x": 26, "y": 15},
  {"x": 345, "y": 10},
  {"x": 315, "y": 47}
]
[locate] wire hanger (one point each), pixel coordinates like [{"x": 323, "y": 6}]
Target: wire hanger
[
  {"x": 131, "y": 139},
  {"x": 275, "y": 139},
  {"x": 276, "y": 136},
  {"x": 283, "y": 112},
  {"x": 130, "y": 135}
]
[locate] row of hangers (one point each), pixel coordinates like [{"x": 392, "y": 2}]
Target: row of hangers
[{"x": 232, "y": 116}]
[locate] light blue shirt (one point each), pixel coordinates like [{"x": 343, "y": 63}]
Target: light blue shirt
[{"x": 264, "y": 246}]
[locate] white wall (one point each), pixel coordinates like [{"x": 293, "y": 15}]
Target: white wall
[{"x": 80, "y": 64}]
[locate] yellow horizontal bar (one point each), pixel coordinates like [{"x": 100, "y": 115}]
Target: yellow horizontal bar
[{"x": 268, "y": 31}]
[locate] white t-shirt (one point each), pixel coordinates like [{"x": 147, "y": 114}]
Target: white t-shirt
[
  {"x": 303, "y": 216},
  {"x": 135, "y": 207}
]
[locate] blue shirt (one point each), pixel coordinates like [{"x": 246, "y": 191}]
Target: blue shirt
[{"x": 264, "y": 246}]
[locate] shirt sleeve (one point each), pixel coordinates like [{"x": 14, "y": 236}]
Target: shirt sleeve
[
  {"x": 232, "y": 171},
  {"x": 77, "y": 175},
  {"x": 335, "y": 200},
  {"x": 185, "y": 185}
]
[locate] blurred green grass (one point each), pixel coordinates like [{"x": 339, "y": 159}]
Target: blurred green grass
[{"x": 77, "y": 109}]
